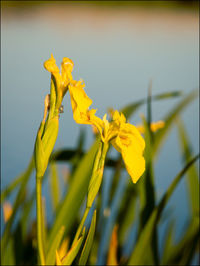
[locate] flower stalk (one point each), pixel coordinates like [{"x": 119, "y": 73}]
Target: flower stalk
[
  {"x": 40, "y": 238},
  {"x": 95, "y": 183}
]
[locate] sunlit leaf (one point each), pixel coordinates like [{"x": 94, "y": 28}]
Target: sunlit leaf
[
  {"x": 71, "y": 255},
  {"x": 51, "y": 253},
  {"x": 88, "y": 243},
  {"x": 75, "y": 195}
]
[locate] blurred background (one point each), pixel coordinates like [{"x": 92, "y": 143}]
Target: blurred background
[{"x": 117, "y": 48}]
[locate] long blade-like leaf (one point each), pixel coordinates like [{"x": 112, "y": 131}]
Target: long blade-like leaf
[
  {"x": 71, "y": 255},
  {"x": 88, "y": 243},
  {"x": 20, "y": 195},
  {"x": 170, "y": 118},
  {"x": 129, "y": 109},
  {"x": 146, "y": 234},
  {"x": 54, "y": 186},
  {"x": 51, "y": 253},
  {"x": 77, "y": 192},
  {"x": 192, "y": 175}
]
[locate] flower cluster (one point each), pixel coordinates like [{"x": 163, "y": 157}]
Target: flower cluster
[{"x": 123, "y": 136}]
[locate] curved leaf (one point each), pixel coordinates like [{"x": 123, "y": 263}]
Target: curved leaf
[{"x": 88, "y": 243}]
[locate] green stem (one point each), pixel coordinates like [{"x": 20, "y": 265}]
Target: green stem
[
  {"x": 95, "y": 183},
  {"x": 39, "y": 220}
]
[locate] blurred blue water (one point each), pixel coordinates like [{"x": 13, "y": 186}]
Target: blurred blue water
[{"x": 116, "y": 52}]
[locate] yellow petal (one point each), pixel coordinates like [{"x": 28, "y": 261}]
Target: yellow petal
[
  {"x": 154, "y": 126},
  {"x": 119, "y": 117},
  {"x": 131, "y": 145},
  {"x": 157, "y": 125},
  {"x": 7, "y": 211},
  {"x": 79, "y": 99},
  {"x": 80, "y": 106},
  {"x": 50, "y": 65},
  {"x": 66, "y": 70},
  {"x": 130, "y": 136},
  {"x": 135, "y": 163}
]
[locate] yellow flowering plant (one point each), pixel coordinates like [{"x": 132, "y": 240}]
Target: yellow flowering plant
[
  {"x": 122, "y": 135},
  {"x": 55, "y": 242},
  {"x": 48, "y": 131}
]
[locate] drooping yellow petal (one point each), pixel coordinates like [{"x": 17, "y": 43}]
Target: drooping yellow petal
[
  {"x": 131, "y": 145},
  {"x": 80, "y": 106},
  {"x": 135, "y": 163},
  {"x": 79, "y": 100}
]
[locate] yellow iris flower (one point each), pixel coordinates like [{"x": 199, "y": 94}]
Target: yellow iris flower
[
  {"x": 63, "y": 78},
  {"x": 123, "y": 136}
]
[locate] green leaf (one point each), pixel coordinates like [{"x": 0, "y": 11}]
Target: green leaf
[
  {"x": 8, "y": 257},
  {"x": 168, "y": 243},
  {"x": 24, "y": 219},
  {"x": 54, "y": 185},
  {"x": 88, "y": 243},
  {"x": 68, "y": 259},
  {"x": 170, "y": 118},
  {"x": 192, "y": 175},
  {"x": 128, "y": 110},
  {"x": 127, "y": 212},
  {"x": 183, "y": 252},
  {"x": 146, "y": 234},
  {"x": 147, "y": 193},
  {"x": 6, "y": 192},
  {"x": 51, "y": 254},
  {"x": 17, "y": 204},
  {"x": 68, "y": 209}
]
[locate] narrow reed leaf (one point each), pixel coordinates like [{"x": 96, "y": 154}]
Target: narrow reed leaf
[
  {"x": 88, "y": 243},
  {"x": 6, "y": 192},
  {"x": 54, "y": 185},
  {"x": 8, "y": 257},
  {"x": 75, "y": 195},
  {"x": 71, "y": 255},
  {"x": 24, "y": 220},
  {"x": 183, "y": 251},
  {"x": 51, "y": 253},
  {"x": 192, "y": 175},
  {"x": 147, "y": 192},
  {"x": 170, "y": 118},
  {"x": 129, "y": 109},
  {"x": 146, "y": 234},
  {"x": 127, "y": 214},
  {"x": 168, "y": 244},
  {"x": 19, "y": 198}
]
